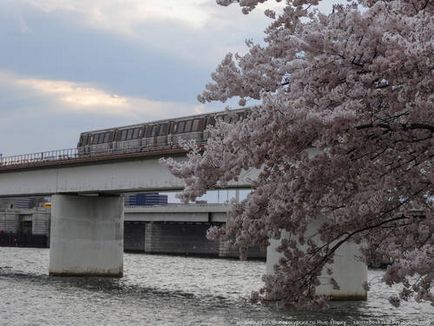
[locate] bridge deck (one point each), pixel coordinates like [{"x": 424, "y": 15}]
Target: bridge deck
[{"x": 103, "y": 173}]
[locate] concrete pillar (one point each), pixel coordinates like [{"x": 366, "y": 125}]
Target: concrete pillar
[
  {"x": 86, "y": 236},
  {"x": 347, "y": 269}
]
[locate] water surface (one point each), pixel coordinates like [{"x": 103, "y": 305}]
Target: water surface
[{"x": 168, "y": 290}]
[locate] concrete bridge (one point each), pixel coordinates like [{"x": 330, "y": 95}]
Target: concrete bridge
[
  {"x": 87, "y": 207},
  {"x": 88, "y": 211},
  {"x": 101, "y": 173}
]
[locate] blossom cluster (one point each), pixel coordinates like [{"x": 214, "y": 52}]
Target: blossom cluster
[{"x": 357, "y": 86}]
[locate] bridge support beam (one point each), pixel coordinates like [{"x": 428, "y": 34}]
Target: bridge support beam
[
  {"x": 86, "y": 236},
  {"x": 347, "y": 269}
]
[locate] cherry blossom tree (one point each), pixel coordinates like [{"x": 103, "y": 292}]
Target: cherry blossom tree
[{"x": 355, "y": 86}]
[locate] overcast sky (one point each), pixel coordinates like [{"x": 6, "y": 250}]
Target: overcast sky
[{"x": 72, "y": 65}]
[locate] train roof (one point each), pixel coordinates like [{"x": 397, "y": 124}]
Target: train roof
[{"x": 164, "y": 120}]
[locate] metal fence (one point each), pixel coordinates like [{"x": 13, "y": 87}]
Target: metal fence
[
  {"x": 61, "y": 154},
  {"x": 64, "y": 155}
]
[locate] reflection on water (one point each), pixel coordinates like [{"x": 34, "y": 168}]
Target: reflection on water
[{"x": 167, "y": 290}]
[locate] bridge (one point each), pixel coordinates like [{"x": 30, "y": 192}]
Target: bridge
[
  {"x": 109, "y": 172},
  {"x": 87, "y": 209},
  {"x": 88, "y": 212}
]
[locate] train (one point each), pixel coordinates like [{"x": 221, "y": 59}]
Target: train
[{"x": 159, "y": 134}]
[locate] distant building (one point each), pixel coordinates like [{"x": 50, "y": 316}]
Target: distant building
[{"x": 145, "y": 199}]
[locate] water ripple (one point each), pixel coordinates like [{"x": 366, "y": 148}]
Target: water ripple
[{"x": 165, "y": 290}]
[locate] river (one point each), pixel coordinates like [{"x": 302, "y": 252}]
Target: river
[{"x": 169, "y": 290}]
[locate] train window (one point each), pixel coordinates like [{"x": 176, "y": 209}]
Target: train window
[
  {"x": 100, "y": 138},
  {"x": 201, "y": 123},
  {"x": 210, "y": 120},
  {"x": 136, "y": 133},
  {"x": 174, "y": 127},
  {"x": 106, "y": 137},
  {"x": 164, "y": 128},
  {"x": 148, "y": 131},
  {"x": 195, "y": 125},
  {"x": 181, "y": 126},
  {"x": 129, "y": 134},
  {"x": 188, "y": 125},
  {"x": 80, "y": 142},
  {"x": 155, "y": 129},
  {"x": 124, "y": 134}
]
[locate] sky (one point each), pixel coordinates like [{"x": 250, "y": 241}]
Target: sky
[{"x": 68, "y": 66}]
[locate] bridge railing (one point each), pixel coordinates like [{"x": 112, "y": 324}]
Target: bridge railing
[
  {"x": 75, "y": 154},
  {"x": 61, "y": 154}
]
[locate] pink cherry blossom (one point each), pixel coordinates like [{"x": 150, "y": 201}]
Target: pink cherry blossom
[{"x": 357, "y": 86}]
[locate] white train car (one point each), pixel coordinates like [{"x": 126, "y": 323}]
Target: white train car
[{"x": 153, "y": 135}]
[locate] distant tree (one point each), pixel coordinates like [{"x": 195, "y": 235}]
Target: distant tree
[{"x": 356, "y": 85}]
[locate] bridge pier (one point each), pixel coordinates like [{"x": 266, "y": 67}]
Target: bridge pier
[
  {"x": 86, "y": 236},
  {"x": 347, "y": 269}
]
